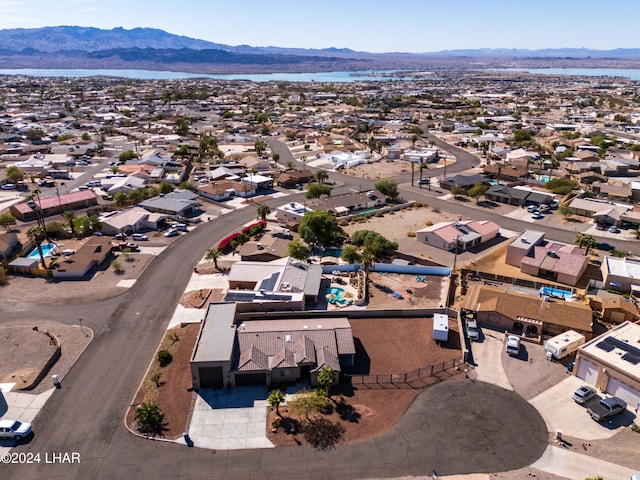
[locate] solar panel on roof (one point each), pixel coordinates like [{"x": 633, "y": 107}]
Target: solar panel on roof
[
  {"x": 617, "y": 343},
  {"x": 604, "y": 345},
  {"x": 631, "y": 358}
]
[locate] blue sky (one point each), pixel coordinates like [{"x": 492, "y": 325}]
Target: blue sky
[{"x": 367, "y": 25}]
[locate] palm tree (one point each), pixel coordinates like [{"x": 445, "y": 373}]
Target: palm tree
[
  {"x": 36, "y": 234},
  {"x": 69, "y": 216},
  {"x": 212, "y": 255},
  {"x": 149, "y": 418},
  {"x": 263, "y": 210},
  {"x": 366, "y": 260},
  {"x": 321, "y": 176}
]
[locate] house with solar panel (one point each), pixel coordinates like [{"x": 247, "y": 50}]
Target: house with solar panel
[{"x": 611, "y": 362}]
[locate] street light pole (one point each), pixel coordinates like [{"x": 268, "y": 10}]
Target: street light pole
[{"x": 59, "y": 202}]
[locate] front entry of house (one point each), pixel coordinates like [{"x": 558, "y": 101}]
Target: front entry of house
[{"x": 246, "y": 379}]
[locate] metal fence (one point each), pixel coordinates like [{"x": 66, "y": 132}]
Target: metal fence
[{"x": 416, "y": 379}]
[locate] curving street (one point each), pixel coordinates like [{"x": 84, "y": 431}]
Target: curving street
[{"x": 455, "y": 427}]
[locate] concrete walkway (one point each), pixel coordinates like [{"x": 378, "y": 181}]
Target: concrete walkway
[
  {"x": 487, "y": 356},
  {"x": 564, "y": 463},
  {"x": 230, "y": 419}
]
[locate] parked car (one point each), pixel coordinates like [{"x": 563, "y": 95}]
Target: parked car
[
  {"x": 132, "y": 246},
  {"x": 584, "y": 394},
  {"x": 605, "y": 246},
  {"x": 614, "y": 229},
  {"x": 424, "y": 181},
  {"x": 473, "y": 332},
  {"x": 139, "y": 237},
  {"x": 8, "y": 186},
  {"x": 14, "y": 429},
  {"x": 181, "y": 226},
  {"x": 601, "y": 226},
  {"x": 172, "y": 232},
  {"x": 531, "y": 208},
  {"x": 121, "y": 236},
  {"x": 537, "y": 216},
  {"x": 606, "y": 407},
  {"x": 513, "y": 345}
]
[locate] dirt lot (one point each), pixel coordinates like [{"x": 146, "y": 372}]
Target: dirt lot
[
  {"x": 369, "y": 411},
  {"x": 24, "y": 352}
]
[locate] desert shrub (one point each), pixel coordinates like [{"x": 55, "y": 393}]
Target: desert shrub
[
  {"x": 428, "y": 223},
  {"x": 411, "y": 234},
  {"x": 164, "y": 357}
]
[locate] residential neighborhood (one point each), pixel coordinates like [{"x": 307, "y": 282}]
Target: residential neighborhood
[{"x": 304, "y": 262}]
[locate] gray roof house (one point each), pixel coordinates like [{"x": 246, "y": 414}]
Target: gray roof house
[{"x": 178, "y": 202}]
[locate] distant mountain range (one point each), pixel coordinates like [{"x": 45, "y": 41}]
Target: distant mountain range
[{"x": 154, "y": 49}]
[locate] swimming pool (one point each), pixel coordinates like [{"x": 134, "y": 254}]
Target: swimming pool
[
  {"x": 332, "y": 252},
  {"x": 555, "y": 292},
  {"x": 46, "y": 250},
  {"x": 336, "y": 295}
]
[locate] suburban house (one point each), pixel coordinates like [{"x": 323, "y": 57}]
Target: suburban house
[
  {"x": 465, "y": 182},
  {"x": 92, "y": 254},
  {"x": 268, "y": 248},
  {"x": 282, "y": 284},
  {"x": 348, "y": 203},
  {"x": 611, "y": 362},
  {"x": 463, "y": 234},
  {"x": 524, "y": 314},
  {"x": 9, "y": 245},
  {"x": 291, "y": 212},
  {"x": 179, "y": 202},
  {"x": 541, "y": 258},
  {"x": 517, "y": 196},
  {"x": 130, "y": 221},
  {"x": 293, "y": 177},
  {"x": 53, "y": 205},
  {"x": 616, "y": 309},
  {"x": 608, "y": 212},
  {"x": 622, "y": 274},
  {"x": 222, "y": 190},
  {"x": 231, "y": 353}
]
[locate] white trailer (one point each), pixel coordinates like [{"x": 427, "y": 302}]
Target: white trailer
[
  {"x": 562, "y": 345},
  {"x": 440, "y": 327}
]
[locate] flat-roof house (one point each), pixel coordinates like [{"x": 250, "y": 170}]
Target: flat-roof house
[
  {"x": 282, "y": 284},
  {"x": 291, "y": 212},
  {"x": 463, "y": 234},
  {"x": 348, "y": 203},
  {"x": 92, "y": 254},
  {"x": 611, "y": 362},
  {"x": 130, "y": 221},
  {"x": 622, "y": 274}
]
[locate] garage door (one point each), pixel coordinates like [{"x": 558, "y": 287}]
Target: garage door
[
  {"x": 211, "y": 377},
  {"x": 617, "y": 317},
  {"x": 251, "y": 379},
  {"x": 623, "y": 391},
  {"x": 587, "y": 371}
]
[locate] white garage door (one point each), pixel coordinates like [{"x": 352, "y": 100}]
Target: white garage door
[
  {"x": 623, "y": 391},
  {"x": 587, "y": 371}
]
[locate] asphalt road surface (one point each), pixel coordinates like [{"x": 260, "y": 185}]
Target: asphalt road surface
[{"x": 454, "y": 428}]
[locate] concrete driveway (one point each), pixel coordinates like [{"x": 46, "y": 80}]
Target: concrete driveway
[
  {"x": 560, "y": 412},
  {"x": 230, "y": 419},
  {"x": 487, "y": 355},
  {"x": 567, "y": 464}
]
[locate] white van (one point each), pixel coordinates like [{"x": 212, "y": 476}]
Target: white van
[{"x": 513, "y": 345}]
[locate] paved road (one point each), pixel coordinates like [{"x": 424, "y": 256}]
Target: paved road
[
  {"x": 86, "y": 415},
  {"x": 455, "y": 427}
]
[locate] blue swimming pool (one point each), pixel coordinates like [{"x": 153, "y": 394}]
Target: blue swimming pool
[
  {"x": 555, "y": 292},
  {"x": 46, "y": 250},
  {"x": 336, "y": 295}
]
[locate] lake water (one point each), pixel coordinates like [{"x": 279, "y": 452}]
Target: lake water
[
  {"x": 367, "y": 75},
  {"x": 630, "y": 73}
]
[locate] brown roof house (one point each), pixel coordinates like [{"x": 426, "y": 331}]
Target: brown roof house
[
  {"x": 92, "y": 254},
  {"x": 530, "y": 315}
]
